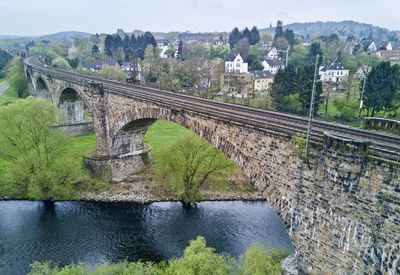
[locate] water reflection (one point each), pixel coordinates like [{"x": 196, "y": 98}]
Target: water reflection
[{"x": 67, "y": 232}]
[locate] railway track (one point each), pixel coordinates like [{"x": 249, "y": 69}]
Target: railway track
[{"x": 382, "y": 145}]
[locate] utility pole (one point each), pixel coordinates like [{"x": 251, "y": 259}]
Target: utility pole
[
  {"x": 363, "y": 87},
  {"x": 287, "y": 56},
  {"x": 311, "y": 114}
]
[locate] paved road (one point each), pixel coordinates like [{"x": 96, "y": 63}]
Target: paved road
[{"x": 4, "y": 88}]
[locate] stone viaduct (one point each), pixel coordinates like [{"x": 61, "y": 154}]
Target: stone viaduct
[{"x": 341, "y": 206}]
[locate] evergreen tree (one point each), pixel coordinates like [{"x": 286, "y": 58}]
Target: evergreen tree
[
  {"x": 289, "y": 35},
  {"x": 282, "y": 87},
  {"x": 108, "y": 45},
  {"x": 254, "y": 36},
  {"x": 303, "y": 83},
  {"x": 234, "y": 37},
  {"x": 315, "y": 49},
  {"x": 180, "y": 49},
  {"x": 95, "y": 50},
  {"x": 278, "y": 30},
  {"x": 127, "y": 48},
  {"x": 381, "y": 87},
  {"x": 246, "y": 34}
]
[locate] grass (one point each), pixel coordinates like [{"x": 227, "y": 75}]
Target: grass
[{"x": 162, "y": 134}]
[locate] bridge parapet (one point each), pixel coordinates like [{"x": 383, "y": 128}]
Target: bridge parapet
[
  {"x": 385, "y": 124},
  {"x": 345, "y": 145}
]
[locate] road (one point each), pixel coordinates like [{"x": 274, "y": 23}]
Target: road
[{"x": 4, "y": 88}]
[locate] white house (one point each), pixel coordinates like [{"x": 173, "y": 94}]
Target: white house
[
  {"x": 333, "y": 72},
  {"x": 273, "y": 53},
  {"x": 234, "y": 64},
  {"x": 132, "y": 70},
  {"x": 272, "y": 65}
]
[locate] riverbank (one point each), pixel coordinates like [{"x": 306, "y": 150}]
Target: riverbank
[{"x": 144, "y": 189}]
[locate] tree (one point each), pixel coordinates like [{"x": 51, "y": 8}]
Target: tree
[
  {"x": 278, "y": 30},
  {"x": 315, "y": 49},
  {"x": 95, "y": 50},
  {"x": 5, "y": 57},
  {"x": 246, "y": 33},
  {"x": 303, "y": 84},
  {"x": 282, "y": 87},
  {"x": 254, "y": 36},
  {"x": 259, "y": 260},
  {"x": 61, "y": 63},
  {"x": 180, "y": 49},
  {"x": 289, "y": 35},
  {"x": 381, "y": 88},
  {"x": 112, "y": 72},
  {"x": 151, "y": 68},
  {"x": 200, "y": 260},
  {"x": 108, "y": 45},
  {"x": 16, "y": 76},
  {"x": 242, "y": 47},
  {"x": 37, "y": 168},
  {"x": 189, "y": 164},
  {"x": 234, "y": 37}
]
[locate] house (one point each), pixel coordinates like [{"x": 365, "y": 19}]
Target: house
[
  {"x": 266, "y": 46},
  {"x": 392, "y": 56},
  {"x": 385, "y": 46},
  {"x": 98, "y": 64},
  {"x": 234, "y": 64},
  {"x": 334, "y": 72},
  {"x": 132, "y": 70},
  {"x": 272, "y": 65},
  {"x": 162, "y": 45},
  {"x": 262, "y": 80},
  {"x": 220, "y": 41},
  {"x": 369, "y": 45},
  {"x": 273, "y": 53}
]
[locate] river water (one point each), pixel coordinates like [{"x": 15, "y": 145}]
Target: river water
[{"x": 66, "y": 232}]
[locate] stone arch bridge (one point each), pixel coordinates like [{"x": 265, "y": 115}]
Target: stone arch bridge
[{"x": 340, "y": 206}]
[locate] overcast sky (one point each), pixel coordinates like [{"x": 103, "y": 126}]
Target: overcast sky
[{"x": 35, "y": 17}]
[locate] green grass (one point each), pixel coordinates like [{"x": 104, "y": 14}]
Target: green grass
[{"x": 162, "y": 134}]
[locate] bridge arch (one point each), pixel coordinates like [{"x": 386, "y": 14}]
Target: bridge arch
[
  {"x": 72, "y": 107},
  {"x": 42, "y": 89},
  {"x": 129, "y": 129}
]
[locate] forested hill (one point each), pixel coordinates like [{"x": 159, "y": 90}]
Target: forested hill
[{"x": 342, "y": 28}]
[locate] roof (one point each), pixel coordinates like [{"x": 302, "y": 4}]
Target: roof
[
  {"x": 333, "y": 67},
  {"x": 263, "y": 74},
  {"x": 393, "y": 53},
  {"x": 96, "y": 65},
  {"x": 274, "y": 62},
  {"x": 231, "y": 56}
]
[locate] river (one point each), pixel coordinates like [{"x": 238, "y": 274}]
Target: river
[{"x": 93, "y": 232}]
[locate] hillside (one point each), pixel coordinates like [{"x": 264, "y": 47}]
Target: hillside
[{"x": 342, "y": 28}]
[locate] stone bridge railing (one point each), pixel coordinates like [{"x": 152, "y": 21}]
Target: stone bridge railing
[{"x": 384, "y": 124}]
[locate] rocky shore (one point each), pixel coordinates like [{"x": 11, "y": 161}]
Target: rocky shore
[{"x": 143, "y": 190}]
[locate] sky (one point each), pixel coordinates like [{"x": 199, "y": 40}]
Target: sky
[{"x": 37, "y": 17}]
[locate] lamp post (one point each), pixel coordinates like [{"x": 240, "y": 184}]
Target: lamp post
[
  {"x": 311, "y": 113},
  {"x": 287, "y": 55}
]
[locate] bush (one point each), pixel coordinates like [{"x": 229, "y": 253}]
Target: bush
[
  {"x": 260, "y": 261},
  {"x": 190, "y": 163},
  {"x": 61, "y": 63},
  {"x": 197, "y": 259}
]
